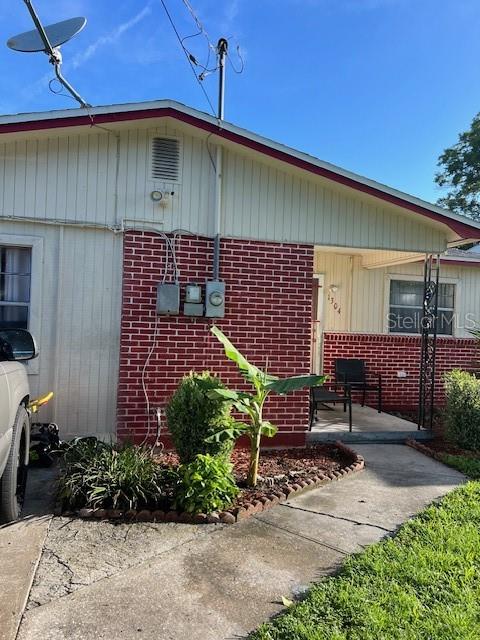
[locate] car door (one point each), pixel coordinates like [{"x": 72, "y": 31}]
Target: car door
[{"x": 5, "y": 412}]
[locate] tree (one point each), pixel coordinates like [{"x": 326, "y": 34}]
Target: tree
[
  {"x": 251, "y": 404},
  {"x": 460, "y": 172}
]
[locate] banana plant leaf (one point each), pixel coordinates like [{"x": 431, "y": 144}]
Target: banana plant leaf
[
  {"x": 248, "y": 370},
  {"x": 287, "y": 385},
  {"x": 232, "y": 432},
  {"x": 228, "y": 394},
  {"x": 268, "y": 429}
]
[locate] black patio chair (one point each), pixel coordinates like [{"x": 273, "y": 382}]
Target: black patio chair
[
  {"x": 353, "y": 372},
  {"x": 324, "y": 396}
]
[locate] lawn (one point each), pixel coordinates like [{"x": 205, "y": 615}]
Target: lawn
[{"x": 422, "y": 584}]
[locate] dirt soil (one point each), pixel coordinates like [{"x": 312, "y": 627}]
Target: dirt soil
[
  {"x": 277, "y": 467},
  {"x": 440, "y": 445}
]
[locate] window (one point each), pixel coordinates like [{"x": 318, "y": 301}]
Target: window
[
  {"x": 15, "y": 281},
  {"x": 406, "y": 307}
]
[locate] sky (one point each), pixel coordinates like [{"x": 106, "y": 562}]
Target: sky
[{"x": 378, "y": 87}]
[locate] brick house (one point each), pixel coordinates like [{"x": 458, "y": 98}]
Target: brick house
[{"x": 99, "y": 208}]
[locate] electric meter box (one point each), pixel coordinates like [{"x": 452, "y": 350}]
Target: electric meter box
[
  {"x": 168, "y": 299},
  {"x": 214, "y": 299}
]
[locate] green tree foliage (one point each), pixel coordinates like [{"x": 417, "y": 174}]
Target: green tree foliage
[
  {"x": 460, "y": 173},
  {"x": 193, "y": 415}
]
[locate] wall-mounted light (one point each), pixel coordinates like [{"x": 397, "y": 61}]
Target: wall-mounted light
[{"x": 333, "y": 288}]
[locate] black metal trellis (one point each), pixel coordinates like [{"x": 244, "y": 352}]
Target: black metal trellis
[{"x": 428, "y": 331}]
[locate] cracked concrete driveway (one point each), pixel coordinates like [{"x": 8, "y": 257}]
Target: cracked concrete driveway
[{"x": 174, "y": 581}]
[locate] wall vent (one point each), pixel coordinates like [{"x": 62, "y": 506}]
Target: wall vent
[{"x": 165, "y": 159}]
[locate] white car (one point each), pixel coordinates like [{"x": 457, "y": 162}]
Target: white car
[{"x": 16, "y": 345}]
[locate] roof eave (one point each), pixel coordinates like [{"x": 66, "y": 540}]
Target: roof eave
[{"x": 166, "y": 108}]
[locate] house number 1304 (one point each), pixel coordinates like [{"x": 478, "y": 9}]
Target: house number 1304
[{"x": 334, "y": 304}]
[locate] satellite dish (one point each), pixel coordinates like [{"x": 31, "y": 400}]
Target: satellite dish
[
  {"x": 48, "y": 40},
  {"x": 57, "y": 34}
]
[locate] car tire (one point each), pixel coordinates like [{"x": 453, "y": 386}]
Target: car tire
[{"x": 14, "y": 479}]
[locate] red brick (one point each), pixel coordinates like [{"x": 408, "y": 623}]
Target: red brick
[{"x": 268, "y": 315}]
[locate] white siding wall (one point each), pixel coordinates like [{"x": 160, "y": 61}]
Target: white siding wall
[
  {"x": 73, "y": 177},
  {"x": 103, "y": 179},
  {"x": 266, "y": 201},
  {"x": 78, "y": 326},
  {"x": 363, "y": 293}
]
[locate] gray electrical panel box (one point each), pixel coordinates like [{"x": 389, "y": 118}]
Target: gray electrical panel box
[
  {"x": 168, "y": 299},
  {"x": 214, "y": 299}
]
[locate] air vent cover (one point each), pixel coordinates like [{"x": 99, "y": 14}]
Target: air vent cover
[{"x": 165, "y": 159}]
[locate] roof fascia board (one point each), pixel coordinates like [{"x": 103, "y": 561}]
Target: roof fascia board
[{"x": 132, "y": 112}]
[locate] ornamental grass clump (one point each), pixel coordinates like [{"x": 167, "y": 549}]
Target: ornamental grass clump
[
  {"x": 97, "y": 475},
  {"x": 193, "y": 415},
  {"x": 462, "y": 414}
]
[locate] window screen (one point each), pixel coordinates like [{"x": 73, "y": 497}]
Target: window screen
[
  {"x": 15, "y": 279},
  {"x": 406, "y": 300}
]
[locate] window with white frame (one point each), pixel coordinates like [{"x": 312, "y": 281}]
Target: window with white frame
[
  {"x": 15, "y": 286},
  {"x": 406, "y": 307}
]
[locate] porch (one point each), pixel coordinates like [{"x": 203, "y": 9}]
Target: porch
[
  {"x": 368, "y": 305},
  {"x": 331, "y": 425}
]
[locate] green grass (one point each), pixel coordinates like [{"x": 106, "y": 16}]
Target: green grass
[
  {"x": 469, "y": 466},
  {"x": 422, "y": 584}
]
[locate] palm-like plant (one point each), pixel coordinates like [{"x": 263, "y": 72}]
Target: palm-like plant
[{"x": 251, "y": 404}]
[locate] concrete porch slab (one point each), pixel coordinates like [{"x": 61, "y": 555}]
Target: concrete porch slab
[{"x": 369, "y": 426}]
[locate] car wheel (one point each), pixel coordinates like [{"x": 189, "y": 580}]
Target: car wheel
[{"x": 14, "y": 479}]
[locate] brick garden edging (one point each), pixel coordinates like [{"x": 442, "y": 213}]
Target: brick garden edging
[
  {"x": 235, "y": 514},
  {"x": 414, "y": 444}
]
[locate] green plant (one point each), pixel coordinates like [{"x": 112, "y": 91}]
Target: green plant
[
  {"x": 193, "y": 415},
  {"x": 206, "y": 484},
  {"x": 251, "y": 404},
  {"x": 462, "y": 415},
  {"x": 96, "y": 474},
  {"x": 469, "y": 466}
]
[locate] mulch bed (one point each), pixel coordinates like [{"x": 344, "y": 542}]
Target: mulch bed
[
  {"x": 277, "y": 467},
  {"x": 438, "y": 447},
  {"x": 282, "y": 474}
]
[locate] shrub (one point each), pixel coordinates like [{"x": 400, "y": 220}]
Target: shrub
[
  {"x": 206, "y": 484},
  {"x": 462, "y": 418},
  {"x": 96, "y": 474},
  {"x": 192, "y": 416}
]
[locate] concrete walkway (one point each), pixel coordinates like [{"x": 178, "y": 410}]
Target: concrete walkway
[
  {"x": 21, "y": 545},
  {"x": 176, "y": 582}
]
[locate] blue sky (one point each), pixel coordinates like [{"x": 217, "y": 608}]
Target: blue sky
[{"x": 379, "y": 87}]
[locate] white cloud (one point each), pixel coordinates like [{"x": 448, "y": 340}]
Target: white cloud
[
  {"x": 109, "y": 38},
  {"x": 231, "y": 11}
]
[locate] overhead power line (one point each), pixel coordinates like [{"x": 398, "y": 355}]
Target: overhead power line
[{"x": 189, "y": 56}]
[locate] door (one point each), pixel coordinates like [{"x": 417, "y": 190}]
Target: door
[{"x": 317, "y": 322}]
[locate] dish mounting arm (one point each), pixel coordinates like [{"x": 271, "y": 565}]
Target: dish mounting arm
[{"x": 54, "y": 55}]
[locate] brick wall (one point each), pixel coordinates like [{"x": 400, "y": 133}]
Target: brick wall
[
  {"x": 387, "y": 354},
  {"x": 268, "y": 316}
]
